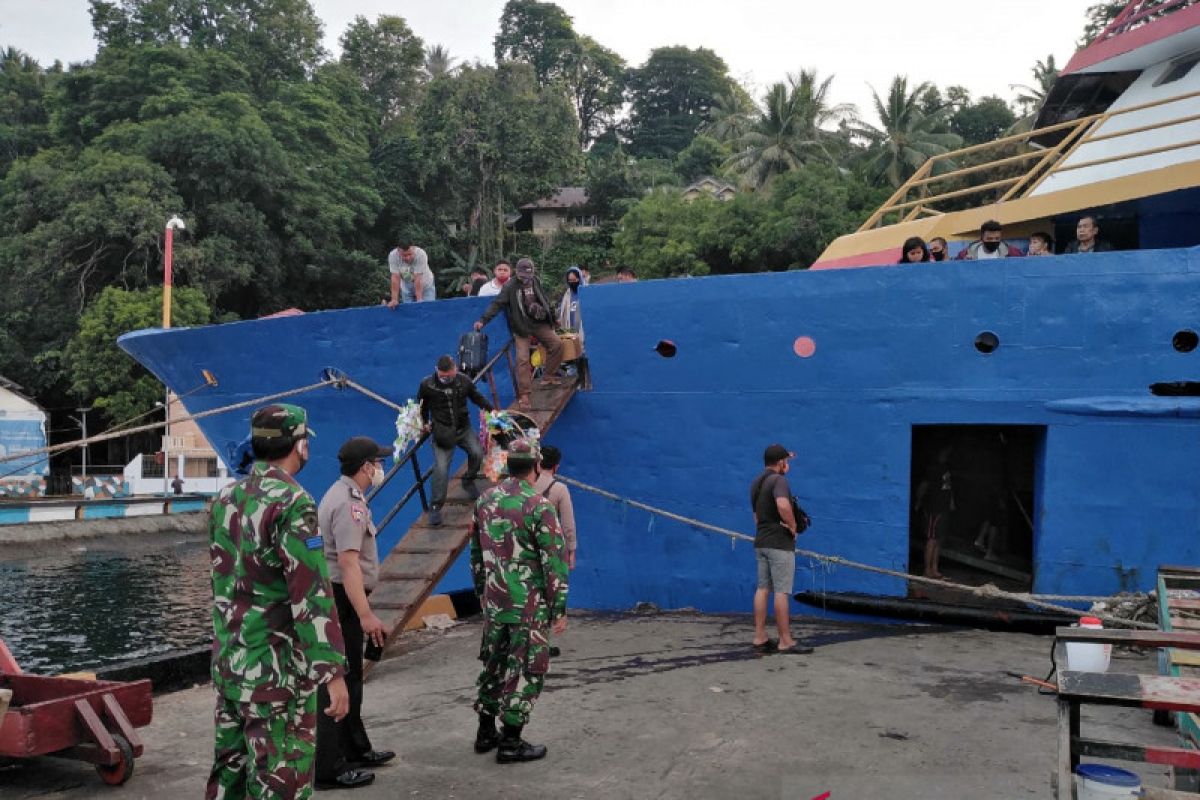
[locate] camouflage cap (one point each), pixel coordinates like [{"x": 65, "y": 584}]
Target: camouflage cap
[
  {"x": 524, "y": 448},
  {"x": 280, "y": 420}
]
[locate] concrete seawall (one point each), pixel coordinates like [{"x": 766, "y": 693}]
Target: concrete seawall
[{"x": 35, "y": 533}]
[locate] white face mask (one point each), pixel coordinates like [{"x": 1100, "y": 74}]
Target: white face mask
[{"x": 377, "y": 477}]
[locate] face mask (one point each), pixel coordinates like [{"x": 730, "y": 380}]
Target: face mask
[
  {"x": 302, "y": 452},
  {"x": 574, "y": 286},
  {"x": 502, "y": 279},
  {"x": 991, "y": 247},
  {"x": 938, "y": 256},
  {"x": 377, "y": 476},
  {"x": 445, "y": 381}
]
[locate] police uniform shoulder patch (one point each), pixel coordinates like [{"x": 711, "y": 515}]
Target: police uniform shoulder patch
[
  {"x": 358, "y": 513},
  {"x": 356, "y": 493},
  {"x": 314, "y": 543}
]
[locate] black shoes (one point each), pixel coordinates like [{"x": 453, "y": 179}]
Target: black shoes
[
  {"x": 487, "y": 737},
  {"x": 514, "y": 749},
  {"x": 350, "y": 779},
  {"x": 435, "y": 516},
  {"x": 372, "y": 758},
  {"x": 554, "y": 651}
]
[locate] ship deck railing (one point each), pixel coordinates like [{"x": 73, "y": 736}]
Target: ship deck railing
[{"x": 1015, "y": 166}]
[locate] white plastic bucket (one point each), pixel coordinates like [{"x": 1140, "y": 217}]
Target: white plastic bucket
[
  {"x": 1102, "y": 782},
  {"x": 1086, "y": 656}
]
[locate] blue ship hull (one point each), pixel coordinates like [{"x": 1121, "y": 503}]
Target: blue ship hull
[{"x": 1114, "y": 491}]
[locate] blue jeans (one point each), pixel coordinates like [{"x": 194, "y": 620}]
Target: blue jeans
[
  {"x": 408, "y": 292},
  {"x": 468, "y": 440}
]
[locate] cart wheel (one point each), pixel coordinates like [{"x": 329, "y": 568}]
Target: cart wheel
[{"x": 122, "y": 771}]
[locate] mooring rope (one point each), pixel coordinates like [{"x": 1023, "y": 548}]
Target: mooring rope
[
  {"x": 104, "y": 437},
  {"x": 358, "y": 387},
  {"x": 981, "y": 591}
]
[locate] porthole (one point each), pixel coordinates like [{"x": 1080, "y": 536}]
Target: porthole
[
  {"x": 987, "y": 342},
  {"x": 1185, "y": 341}
]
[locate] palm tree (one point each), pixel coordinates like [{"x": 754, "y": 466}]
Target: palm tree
[
  {"x": 792, "y": 130},
  {"x": 730, "y": 115},
  {"x": 1032, "y": 98},
  {"x": 438, "y": 62},
  {"x": 907, "y": 136}
]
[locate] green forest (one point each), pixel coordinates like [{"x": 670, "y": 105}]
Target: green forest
[{"x": 297, "y": 171}]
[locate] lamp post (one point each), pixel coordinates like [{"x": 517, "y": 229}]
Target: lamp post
[
  {"x": 81, "y": 421},
  {"x": 173, "y": 224}
]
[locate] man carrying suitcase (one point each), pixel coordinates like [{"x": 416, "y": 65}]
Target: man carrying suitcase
[{"x": 443, "y": 398}]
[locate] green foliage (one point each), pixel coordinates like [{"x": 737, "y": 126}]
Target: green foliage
[
  {"x": 703, "y": 156},
  {"x": 100, "y": 370},
  {"x": 982, "y": 121},
  {"x": 70, "y": 226},
  {"x": 608, "y": 179},
  {"x": 670, "y": 98},
  {"x": 1098, "y": 18},
  {"x": 388, "y": 59},
  {"x": 277, "y": 40},
  {"x": 538, "y": 34},
  {"x": 491, "y": 138},
  {"x": 24, "y": 116},
  {"x": 908, "y": 136},
  {"x": 664, "y": 235},
  {"x": 793, "y": 129},
  {"x": 595, "y": 77}
]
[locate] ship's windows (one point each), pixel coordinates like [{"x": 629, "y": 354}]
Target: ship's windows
[
  {"x": 987, "y": 342},
  {"x": 666, "y": 348},
  {"x": 1178, "y": 70},
  {"x": 1185, "y": 341}
]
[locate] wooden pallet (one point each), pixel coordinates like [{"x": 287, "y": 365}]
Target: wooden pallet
[
  {"x": 1179, "y": 610},
  {"x": 422, "y": 557}
]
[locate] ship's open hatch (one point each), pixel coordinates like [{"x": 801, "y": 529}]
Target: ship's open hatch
[{"x": 989, "y": 535}]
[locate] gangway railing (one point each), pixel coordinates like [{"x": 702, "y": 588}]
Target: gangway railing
[
  {"x": 409, "y": 460},
  {"x": 918, "y": 196}
]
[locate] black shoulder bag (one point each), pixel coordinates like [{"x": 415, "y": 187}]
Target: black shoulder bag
[{"x": 802, "y": 518}]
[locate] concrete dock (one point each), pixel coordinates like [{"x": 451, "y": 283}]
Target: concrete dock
[{"x": 674, "y": 705}]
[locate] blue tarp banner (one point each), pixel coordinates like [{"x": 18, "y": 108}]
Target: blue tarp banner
[{"x": 17, "y": 435}]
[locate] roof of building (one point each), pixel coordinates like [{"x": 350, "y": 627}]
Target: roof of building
[
  {"x": 709, "y": 180},
  {"x": 565, "y": 197}
]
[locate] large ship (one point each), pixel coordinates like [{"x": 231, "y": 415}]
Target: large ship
[{"x": 1062, "y": 391}]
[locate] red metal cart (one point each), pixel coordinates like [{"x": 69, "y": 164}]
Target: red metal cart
[{"x": 92, "y": 721}]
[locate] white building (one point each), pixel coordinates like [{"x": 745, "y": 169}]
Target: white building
[{"x": 22, "y": 428}]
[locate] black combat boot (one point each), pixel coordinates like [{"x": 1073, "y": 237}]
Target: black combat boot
[
  {"x": 513, "y": 749},
  {"x": 487, "y": 738}
]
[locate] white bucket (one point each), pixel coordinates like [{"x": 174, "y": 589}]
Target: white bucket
[
  {"x": 1086, "y": 656},
  {"x": 1102, "y": 782}
]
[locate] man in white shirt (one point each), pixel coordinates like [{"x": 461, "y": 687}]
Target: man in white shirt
[
  {"x": 412, "y": 278},
  {"x": 503, "y": 271}
]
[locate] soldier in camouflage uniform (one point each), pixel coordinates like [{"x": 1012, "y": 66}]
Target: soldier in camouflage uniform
[
  {"x": 276, "y": 634},
  {"x": 519, "y": 566}
]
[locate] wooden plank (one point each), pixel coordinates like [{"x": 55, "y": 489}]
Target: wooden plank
[
  {"x": 1158, "y": 793},
  {"x": 1183, "y": 757},
  {"x": 1146, "y": 691},
  {"x": 1183, "y": 604},
  {"x": 1179, "y": 569},
  {"x": 1068, "y": 724},
  {"x": 1185, "y": 658},
  {"x": 1139, "y": 638},
  {"x": 1181, "y": 623}
]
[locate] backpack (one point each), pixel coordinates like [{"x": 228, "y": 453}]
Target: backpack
[{"x": 472, "y": 352}]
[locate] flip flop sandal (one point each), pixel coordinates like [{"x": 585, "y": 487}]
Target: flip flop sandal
[
  {"x": 794, "y": 650},
  {"x": 769, "y": 646}
]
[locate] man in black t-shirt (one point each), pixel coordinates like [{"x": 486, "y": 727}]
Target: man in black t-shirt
[{"x": 774, "y": 550}]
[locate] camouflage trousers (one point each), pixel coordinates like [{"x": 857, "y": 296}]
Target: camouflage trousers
[
  {"x": 515, "y": 661},
  {"x": 264, "y": 751}
]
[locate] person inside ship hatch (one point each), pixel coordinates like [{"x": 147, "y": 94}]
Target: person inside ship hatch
[
  {"x": 990, "y": 244},
  {"x": 1041, "y": 244},
  {"x": 938, "y": 249},
  {"x": 1087, "y": 238},
  {"x": 935, "y": 504},
  {"x": 915, "y": 251},
  {"x": 527, "y": 307}
]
